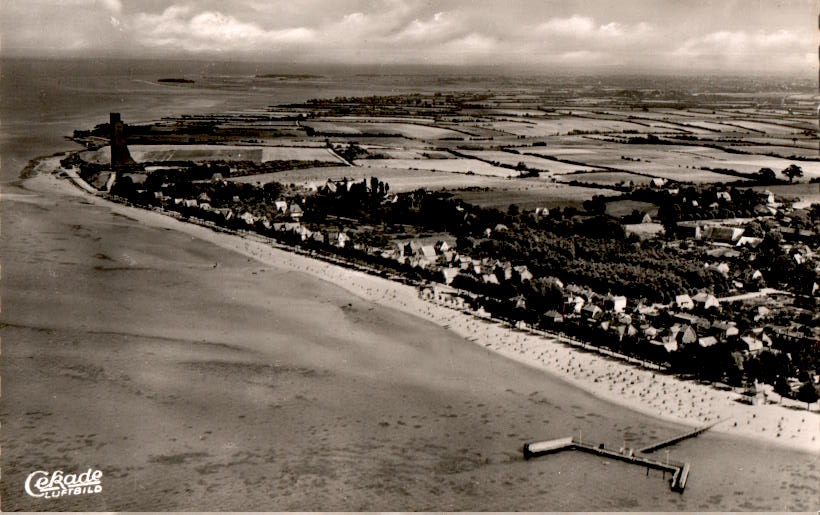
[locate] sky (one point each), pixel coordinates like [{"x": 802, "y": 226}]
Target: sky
[{"x": 734, "y": 36}]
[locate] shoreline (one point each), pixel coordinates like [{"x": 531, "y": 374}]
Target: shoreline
[{"x": 656, "y": 394}]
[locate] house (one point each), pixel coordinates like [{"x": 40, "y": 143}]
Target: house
[
  {"x": 646, "y": 311},
  {"x": 522, "y": 273},
  {"x": 684, "y": 302},
  {"x": 706, "y": 300},
  {"x": 489, "y": 279},
  {"x": 725, "y": 234},
  {"x": 296, "y": 212},
  {"x": 707, "y": 341},
  {"x": 247, "y": 218},
  {"x": 442, "y": 246},
  {"x": 554, "y": 281},
  {"x": 724, "y": 330},
  {"x": 762, "y": 312},
  {"x": 768, "y": 197},
  {"x": 591, "y": 311},
  {"x": 450, "y": 274},
  {"x": 428, "y": 252},
  {"x": 304, "y": 233},
  {"x": 669, "y": 344},
  {"x": 342, "y": 239},
  {"x": 574, "y": 304},
  {"x": 749, "y": 241},
  {"x": 764, "y": 210},
  {"x": 203, "y": 197},
  {"x": 553, "y": 317},
  {"x": 657, "y": 182},
  {"x": 626, "y": 331},
  {"x": 762, "y": 336},
  {"x": 687, "y": 335},
  {"x": 690, "y": 230},
  {"x": 503, "y": 271},
  {"x": 281, "y": 206},
  {"x": 616, "y": 303},
  {"x": 753, "y": 345},
  {"x": 721, "y": 268},
  {"x": 724, "y": 195},
  {"x": 412, "y": 248},
  {"x": 650, "y": 331},
  {"x": 623, "y": 319},
  {"x": 501, "y": 228},
  {"x": 690, "y": 319},
  {"x": 190, "y": 203}
]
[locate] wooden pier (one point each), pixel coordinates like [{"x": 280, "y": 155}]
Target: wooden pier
[
  {"x": 675, "y": 439},
  {"x": 679, "y": 471}
]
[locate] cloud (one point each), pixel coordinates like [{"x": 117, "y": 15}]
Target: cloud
[
  {"x": 574, "y": 26},
  {"x": 114, "y": 6},
  {"x": 527, "y": 33},
  {"x": 583, "y": 32},
  {"x": 738, "y": 49},
  {"x": 179, "y": 28}
]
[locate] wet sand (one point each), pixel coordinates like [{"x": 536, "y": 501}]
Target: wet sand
[{"x": 248, "y": 385}]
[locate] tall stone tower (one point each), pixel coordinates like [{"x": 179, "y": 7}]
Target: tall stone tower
[{"x": 120, "y": 157}]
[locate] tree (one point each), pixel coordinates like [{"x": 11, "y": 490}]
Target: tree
[
  {"x": 766, "y": 176},
  {"x": 807, "y": 393},
  {"x": 792, "y": 171},
  {"x": 781, "y": 386},
  {"x": 124, "y": 187}
]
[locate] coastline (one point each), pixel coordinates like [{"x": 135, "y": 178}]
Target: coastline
[{"x": 652, "y": 393}]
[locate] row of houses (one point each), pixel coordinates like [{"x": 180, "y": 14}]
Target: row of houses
[
  {"x": 291, "y": 210},
  {"x": 665, "y": 325}
]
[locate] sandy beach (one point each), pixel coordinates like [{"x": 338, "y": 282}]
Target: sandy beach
[{"x": 657, "y": 394}]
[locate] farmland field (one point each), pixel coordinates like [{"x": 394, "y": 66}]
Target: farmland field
[
  {"x": 565, "y": 125},
  {"x": 531, "y": 161},
  {"x": 457, "y": 165},
  {"x": 409, "y": 130},
  {"x": 202, "y": 153},
  {"x": 544, "y": 195},
  {"x": 400, "y": 180},
  {"x": 604, "y": 178},
  {"x": 626, "y": 207}
]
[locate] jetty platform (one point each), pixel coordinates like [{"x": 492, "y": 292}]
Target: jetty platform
[{"x": 679, "y": 471}]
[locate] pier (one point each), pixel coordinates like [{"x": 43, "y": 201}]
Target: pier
[
  {"x": 679, "y": 471},
  {"x": 675, "y": 439}
]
